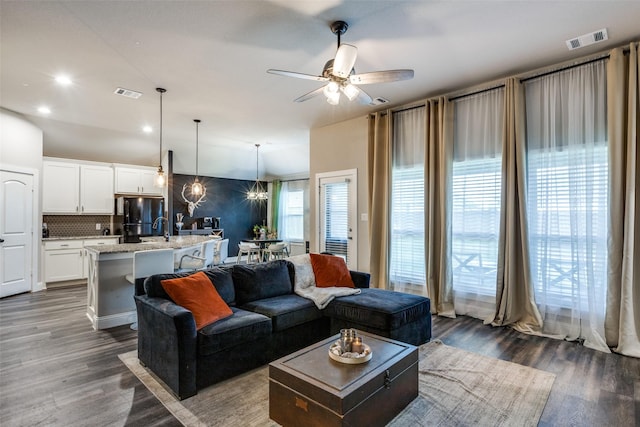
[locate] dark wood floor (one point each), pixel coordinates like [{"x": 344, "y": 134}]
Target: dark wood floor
[{"x": 55, "y": 370}]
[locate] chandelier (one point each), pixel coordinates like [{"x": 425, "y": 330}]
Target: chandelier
[{"x": 257, "y": 192}]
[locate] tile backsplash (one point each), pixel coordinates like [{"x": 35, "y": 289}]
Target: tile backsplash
[{"x": 76, "y": 225}]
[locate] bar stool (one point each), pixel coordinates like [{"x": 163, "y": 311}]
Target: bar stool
[{"x": 148, "y": 263}]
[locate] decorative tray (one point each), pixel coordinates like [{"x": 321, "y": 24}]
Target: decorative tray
[{"x": 356, "y": 358}]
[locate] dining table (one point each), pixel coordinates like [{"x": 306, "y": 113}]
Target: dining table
[{"x": 262, "y": 244}]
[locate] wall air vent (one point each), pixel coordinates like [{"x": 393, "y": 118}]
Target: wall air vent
[
  {"x": 379, "y": 101},
  {"x": 587, "y": 39},
  {"x": 128, "y": 93}
]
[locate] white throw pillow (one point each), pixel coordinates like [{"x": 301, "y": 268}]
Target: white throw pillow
[{"x": 304, "y": 277}]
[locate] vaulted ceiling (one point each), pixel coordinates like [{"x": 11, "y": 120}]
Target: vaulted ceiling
[{"x": 212, "y": 57}]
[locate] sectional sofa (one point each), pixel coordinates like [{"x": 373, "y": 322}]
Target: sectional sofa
[{"x": 268, "y": 320}]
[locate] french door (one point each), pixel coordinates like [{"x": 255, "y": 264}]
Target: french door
[{"x": 337, "y": 206}]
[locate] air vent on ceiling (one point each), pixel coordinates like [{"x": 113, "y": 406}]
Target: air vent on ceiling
[
  {"x": 587, "y": 39},
  {"x": 378, "y": 101},
  {"x": 128, "y": 93}
]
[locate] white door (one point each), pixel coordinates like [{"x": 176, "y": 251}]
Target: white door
[
  {"x": 16, "y": 232},
  {"x": 337, "y": 205}
]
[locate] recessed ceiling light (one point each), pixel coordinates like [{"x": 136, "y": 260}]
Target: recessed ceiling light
[
  {"x": 63, "y": 80},
  {"x": 44, "y": 110},
  {"x": 147, "y": 129}
]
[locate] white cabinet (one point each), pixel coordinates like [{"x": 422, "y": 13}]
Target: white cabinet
[
  {"x": 60, "y": 187},
  {"x": 63, "y": 260},
  {"x": 67, "y": 259},
  {"x": 96, "y": 189},
  {"x": 71, "y": 188},
  {"x": 136, "y": 181}
]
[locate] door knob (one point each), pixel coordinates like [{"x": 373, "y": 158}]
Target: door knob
[{"x": 1, "y": 240}]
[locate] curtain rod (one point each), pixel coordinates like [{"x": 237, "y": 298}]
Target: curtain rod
[{"x": 525, "y": 77}]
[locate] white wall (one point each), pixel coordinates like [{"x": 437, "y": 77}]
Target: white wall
[
  {"x": 21, "y": 149},
  {"x": 338, "y": 147},
  {"x": 20, "y": 141}
]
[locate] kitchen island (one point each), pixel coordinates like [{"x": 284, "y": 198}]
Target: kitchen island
[{"x": 109, "y": 294}]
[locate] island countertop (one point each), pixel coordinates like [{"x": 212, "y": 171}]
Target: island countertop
[{"x": 175, "y": 242}]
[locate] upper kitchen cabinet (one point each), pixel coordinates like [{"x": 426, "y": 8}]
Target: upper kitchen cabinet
[
  {"x": 74, "y": 188},
  {"x": 136, "y": 181}
]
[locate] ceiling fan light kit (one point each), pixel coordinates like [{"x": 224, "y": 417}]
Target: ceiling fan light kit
[{"x": 340, "y": 76}]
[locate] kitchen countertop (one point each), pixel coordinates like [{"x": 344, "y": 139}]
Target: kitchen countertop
[
  {"x": 49, "y": 239},
  {"x": 175, "y": 242}
]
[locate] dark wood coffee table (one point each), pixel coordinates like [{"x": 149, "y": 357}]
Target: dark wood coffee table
[{"x": 308, "y": 388}]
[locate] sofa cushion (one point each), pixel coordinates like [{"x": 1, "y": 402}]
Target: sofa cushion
[
  {"x": 381, "y": 309},
  {"x": 220, "y": 277},
  {"x": 285, "y": 311},
  {"x": 240, "y": 328},
  {"x": 197, "y": 294},
  {"x": 331, "y": 271},
  {"x": 258, "y": 281}
]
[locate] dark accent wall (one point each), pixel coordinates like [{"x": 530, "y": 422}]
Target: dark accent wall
[{"x": 225, "y": 198}]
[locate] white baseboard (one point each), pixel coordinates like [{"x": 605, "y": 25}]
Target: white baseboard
[{"x": 106, "y": 322}]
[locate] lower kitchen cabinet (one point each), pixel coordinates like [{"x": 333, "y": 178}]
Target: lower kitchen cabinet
[
  {"x": 66, "y": 259},
  {"x": 63, "y": 260}
]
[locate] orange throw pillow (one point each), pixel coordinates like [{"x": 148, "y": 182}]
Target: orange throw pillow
[
  {"x": 331, "y": 271},
  {"x": 197, "y": 294}
]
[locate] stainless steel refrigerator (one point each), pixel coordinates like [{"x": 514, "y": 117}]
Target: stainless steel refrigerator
[{"x": 139, "y": 215}]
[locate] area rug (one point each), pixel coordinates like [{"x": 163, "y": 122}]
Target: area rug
[{"x": 457, "y": 388}]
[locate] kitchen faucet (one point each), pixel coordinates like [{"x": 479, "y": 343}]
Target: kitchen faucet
[{"x": 155, "y": 226}]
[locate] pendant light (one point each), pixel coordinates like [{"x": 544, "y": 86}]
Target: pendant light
[
  {"x": 197, "y": 188},
  {"x": 256, "y": 192},
  {"x": 160, "y": 178}
]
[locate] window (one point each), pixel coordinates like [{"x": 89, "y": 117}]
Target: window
[
  {"x": 475, "y": 199},
  {"x": 291, "y": 210},
  {"x": 407, "y": 258},
  {"x": 567, "y": 202}
]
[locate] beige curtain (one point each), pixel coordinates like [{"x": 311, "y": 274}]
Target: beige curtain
[
  {"x": 437, "y": 184},
  {"x": 379, "y": 175},
  {"x": 515, "y": 301},
  {"x": 622, "y": 322}
]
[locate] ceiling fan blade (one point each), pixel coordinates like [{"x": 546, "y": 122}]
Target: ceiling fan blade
[
  {"x": 344, "y": 60},
  {"x": 309, "y": 95},
  {"x": 297, "y": 75},
  {"x": 364, "y": 97},
  {"x": 381, "y": 77}
]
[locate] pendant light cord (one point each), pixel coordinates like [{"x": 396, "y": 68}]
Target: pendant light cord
[
  {"x": 160, "y": 91},
  {"x": 197, "y": 140}
]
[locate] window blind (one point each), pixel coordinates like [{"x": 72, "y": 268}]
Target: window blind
[{"x": 336, "y": 209}]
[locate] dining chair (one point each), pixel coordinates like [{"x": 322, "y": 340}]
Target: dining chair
[
  {"x": 251, "y": 250},
  {"x": 276, "y": 251}
]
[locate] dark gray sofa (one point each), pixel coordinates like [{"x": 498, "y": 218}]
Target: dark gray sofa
[{"x": 269, "y": 321}]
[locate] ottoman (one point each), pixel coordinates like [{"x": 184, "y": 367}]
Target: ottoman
[{"x": 396, "y": 315}]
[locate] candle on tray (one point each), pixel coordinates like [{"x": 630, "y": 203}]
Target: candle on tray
[{"x": 356, "y": 345}]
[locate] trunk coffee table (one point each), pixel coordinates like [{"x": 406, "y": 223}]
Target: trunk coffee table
[{"x": 308, "y": 388}]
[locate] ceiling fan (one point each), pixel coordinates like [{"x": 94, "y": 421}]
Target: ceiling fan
[{"x": 340, "y": 75}]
